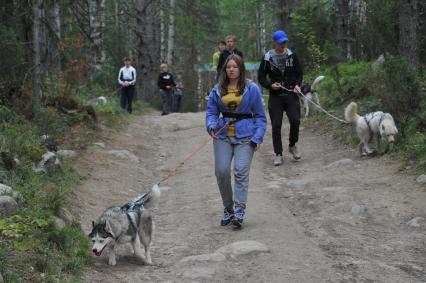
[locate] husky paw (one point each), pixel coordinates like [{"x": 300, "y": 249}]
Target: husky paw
[
  {"x": 148, "y": 261},
  {"x": 112, "y": 261}
]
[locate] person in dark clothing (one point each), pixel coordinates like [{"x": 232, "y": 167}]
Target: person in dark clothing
[
  {"x": 230, "y": 49},
  {"x": 281, "y": 73},
  {"x": 166, "y": 84},
  {"x": 178, "y": 93},
  {"x": 127, "y": 80}
]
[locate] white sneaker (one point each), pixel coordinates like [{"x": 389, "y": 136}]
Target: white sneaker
[
  {"x": 293, "y": 150},
  {"x": 278, "y": 160}
]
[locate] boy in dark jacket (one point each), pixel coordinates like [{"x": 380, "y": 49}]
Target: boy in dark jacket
[
  {"x": 281, "y": 73},
  {"x": 230, "y": 49},
  {"x": 166, "y": 84}
]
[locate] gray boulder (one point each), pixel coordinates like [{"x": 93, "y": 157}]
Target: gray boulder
[
  {"x": 421, "y": 179},
  {"x": 66, "y": 153},
  {"x": 8, "y": 191},
  {"x": 242, "y": 248},
  {"x": 378, "y": 63},
  {"x": 8, "y": 206}
]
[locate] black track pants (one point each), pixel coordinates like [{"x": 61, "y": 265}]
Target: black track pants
[{"x": 277, "y": 106}]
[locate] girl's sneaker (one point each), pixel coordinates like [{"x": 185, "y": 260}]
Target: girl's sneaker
[
  {"x": 227, "y": 217},
  {"x": 238, "y": 217}
]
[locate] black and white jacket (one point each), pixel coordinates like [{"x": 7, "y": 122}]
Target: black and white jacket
[
  {"x": 289, "y": 72},
  {"x": 127, "y": 74}
]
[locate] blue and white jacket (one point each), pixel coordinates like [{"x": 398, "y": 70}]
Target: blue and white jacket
[{"x": 252, "y": 102}]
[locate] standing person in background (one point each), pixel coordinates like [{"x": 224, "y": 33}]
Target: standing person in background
[
  {"x": 166, "y": 84},
  {"x": 230, "y": 49},
  {"x": 178, "y": 93},
  {"x": 236, "y": 120},
  {"x": 281, "y": 73},
  {"x": 127, "y": 80},
  {"x": 221, "y": 46}
]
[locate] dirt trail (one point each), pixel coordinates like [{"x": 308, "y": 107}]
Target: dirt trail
[{"x": 322, "y": 221}]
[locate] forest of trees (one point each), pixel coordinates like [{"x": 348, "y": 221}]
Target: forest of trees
[
  {"x": 58, "y": 56},
  {"x": 63, "y": 41}
]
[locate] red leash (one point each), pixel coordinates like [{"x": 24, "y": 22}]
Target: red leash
[{"x": 190, "y": 156}]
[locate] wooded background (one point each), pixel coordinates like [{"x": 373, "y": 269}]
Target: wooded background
[{"x": 72, "y": 43}]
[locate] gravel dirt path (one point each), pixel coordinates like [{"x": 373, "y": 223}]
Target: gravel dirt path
[{"x": 332, "y": 217}]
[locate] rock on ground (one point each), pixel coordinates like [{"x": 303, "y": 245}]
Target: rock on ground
[
  {"x": 199, "y": 273},
  {"x": 414, "y": 222},
  {"x": 421, "y": 179},
  {"x": 66, "y": 153},
  {"x": 242, "y": 248},
  {"x": 6, "y": 190},
  {"x": 8, "y": 206},
  {"x": 124, "y": 154}
]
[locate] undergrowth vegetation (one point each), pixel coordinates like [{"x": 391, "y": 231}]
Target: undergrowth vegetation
[
  {"x": 394, "y": 87},
  {"x": 34, "y": 247}
]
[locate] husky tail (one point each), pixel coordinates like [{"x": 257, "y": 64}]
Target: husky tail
[
  {"x": 316, "y": 82},
  {"x": 351, "y": 113},
  {"x": 146, "y": 200}
]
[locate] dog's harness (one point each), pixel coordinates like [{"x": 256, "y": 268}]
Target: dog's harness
[
  {"x": 367, "y": 121},
  {"x": 135, "y": 205}
]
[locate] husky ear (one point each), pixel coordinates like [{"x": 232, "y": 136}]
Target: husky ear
[
  {"x": 93, "y": 224},
  {"x": 383, "y": 127},
  {"x": 108, "y": 228}
]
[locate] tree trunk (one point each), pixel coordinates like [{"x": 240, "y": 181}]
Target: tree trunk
[
  {"x": 408, "y": 24},
  {"x": 283, "y": 10},
  {"x": 343, "y": 28},
  {"x": 38, "y": 46},
  {"x": 162, "y": 32},
  {"x": 117, "y": 28},
  {"x": 171, "y": 33},
  {"x": 56, "y": 26},
  {"x": 260, "y": 31},
  {"x": 97, "y": 22},
  {"x": 147, "y": 29}
]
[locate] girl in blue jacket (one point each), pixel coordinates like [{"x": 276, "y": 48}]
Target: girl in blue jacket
[{"x": 236, "y": 121}]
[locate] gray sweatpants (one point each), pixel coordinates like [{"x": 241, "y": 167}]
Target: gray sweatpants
[{"x": 241, "y": 150}]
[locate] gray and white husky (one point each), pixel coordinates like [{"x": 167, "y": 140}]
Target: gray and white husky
[
  {"x": 311, "y": 93},
  {"x": 371, "y": 128},
  {"x": 130, "y": 223}
]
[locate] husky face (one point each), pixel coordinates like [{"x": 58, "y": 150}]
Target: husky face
[
  {"x": 388, "y": 130},
  {"x": 101, "y": 237}
]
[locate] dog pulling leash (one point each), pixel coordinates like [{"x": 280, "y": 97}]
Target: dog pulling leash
[{"x": 318, "y": 106}]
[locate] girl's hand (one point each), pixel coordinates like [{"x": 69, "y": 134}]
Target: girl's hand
[
  {"x": 255, "y": 146},
  {"x": 213, "y": 134}
]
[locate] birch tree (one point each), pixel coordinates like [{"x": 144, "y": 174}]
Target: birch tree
[
  {"x": 55, "y": 17},
  {"x": 171, "y": 34},
  {"x": 38, "y": 47},
  {"x": 97, "y": 23}
]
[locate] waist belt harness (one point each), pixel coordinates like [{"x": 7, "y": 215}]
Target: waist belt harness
[{"x": 238, "y": 115}]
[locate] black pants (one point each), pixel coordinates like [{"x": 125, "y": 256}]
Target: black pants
[
  {"x": 176, "y": 102},
  {"x": 277, "y": 105},
  {"x": 126, "y": 98}
]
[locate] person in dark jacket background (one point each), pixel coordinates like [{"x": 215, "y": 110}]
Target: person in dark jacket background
[
  {"x": 281, "y": 73},
  {"x": 230, "y": 49},
  {"x": 166, "y": 84}
]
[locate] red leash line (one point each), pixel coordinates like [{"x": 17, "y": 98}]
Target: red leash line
[{"x": 190, "y": 156}]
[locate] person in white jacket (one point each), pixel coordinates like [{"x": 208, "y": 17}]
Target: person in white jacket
[{"x": 127, "y": 80}]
